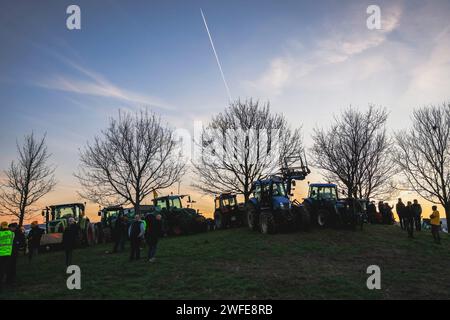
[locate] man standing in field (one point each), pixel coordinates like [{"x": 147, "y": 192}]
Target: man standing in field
[
  {"x": 152, "y": 234},
  {"x": 400, "y": 208},
  {"x": 18, "y": 244},
  {"x": 34, "y": 240},
  {"x": 136, "y": 233},
  {"x": 409, "y": 219},
  {"x": 6, "y": 246},
  {"x": 417, "y": 209},
  {"x": 435, "y": 221}
]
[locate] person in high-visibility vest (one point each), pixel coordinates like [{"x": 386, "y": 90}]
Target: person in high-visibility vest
[{"x": 6, "y": 246}]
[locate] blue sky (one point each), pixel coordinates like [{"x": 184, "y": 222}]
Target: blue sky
[{"x": 311, "y": 59}]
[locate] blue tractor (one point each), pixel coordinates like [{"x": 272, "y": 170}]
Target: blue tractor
[
  {"x": 271, "y": 209},
  {"x": 327, "y": 209}
]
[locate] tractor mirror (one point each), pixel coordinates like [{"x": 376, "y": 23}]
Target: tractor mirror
[
  {"x": 293, "y": 183},
  {"x": 43, "y": 213}
]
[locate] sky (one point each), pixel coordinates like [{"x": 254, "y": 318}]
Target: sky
[{"x": 310, "y": 59}]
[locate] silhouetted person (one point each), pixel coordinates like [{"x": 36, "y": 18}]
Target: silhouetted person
[
  {"x": 18, "y": 244},
  {"x": 136, "y": 233},
  {"x": 120, "y": 234},
  {"x": 70, "y": 236},
  {"x": 389, "y": 216},
  {"x": 435, "y": 221},
  {"x": 152, "y": 234},
  {"x": 34, "y": 239},
  {"x": 371, "y": 212},
  {"x": 400, "y": 208},
  {"x": 409, "y": 219},
  {"x": 417, "y": 209}
]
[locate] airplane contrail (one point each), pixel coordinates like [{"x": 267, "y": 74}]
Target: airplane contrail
[{"x": 215, "y": 54}]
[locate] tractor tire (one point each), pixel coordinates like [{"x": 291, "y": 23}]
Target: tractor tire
[
  {"x": 251, "y": 217},
  {"x": 218, "y": 221},
  {"x": 322, "y": 218},
  {"x": 267, "y": 223}
]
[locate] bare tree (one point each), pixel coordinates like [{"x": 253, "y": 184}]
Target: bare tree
[
  {"x": 423, "y": 154},
  {"x": 356, "y": 152},
  {"x": 244, "y": 143},
  {"x": 27, "y": 180},
  {"x": 133, "y": 157}
]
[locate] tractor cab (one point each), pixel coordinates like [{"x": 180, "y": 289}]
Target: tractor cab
[
  {"x": 227, "y": 212},
  {"x": 225, "y": 202},
  {"x": 57, "y": 216},
  {"x": 110, "y": 214},
  {"x": 170, "y": 202},
  {"x": 270, "y": 194},
  {"x": 323, "y": 192}
]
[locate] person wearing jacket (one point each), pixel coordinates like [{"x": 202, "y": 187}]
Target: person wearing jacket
[
  {"x": 70, "y": 236},
  {"x": 136, "y": 233},
  {"x": 152, "y": 234},
  {"x": 400, "y": 208},
  {"x": 120, "y": 233},
  {"x": 18, "y": 244},
  {"x": 417, "y": 209},
  {"x": 6, "y": 247},
  {"x": 409, "y": 219},
  {"x": 435, "y": 221},
  {"x": 34, "y": 240}
]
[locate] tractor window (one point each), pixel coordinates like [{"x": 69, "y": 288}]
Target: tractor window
[
  {"x": 327, "y": 193},
  {"x": 278, "y": 190},
  {"x": 161, "y": 203},
  {"x": 175, "y": 203},
  {"x": 65, "y": 212},
  {"x": 229, "y": 202},
  {"x": 313, "y": 193},
  {"x": 257, "y": 192}
]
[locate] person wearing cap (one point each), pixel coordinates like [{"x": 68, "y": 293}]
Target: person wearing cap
[
  {"x": 18, "y": 244},
  {"x": 70, "y": 236},
  {"x": 34, "y": 240},
  {"x": 6, "y": 246}
]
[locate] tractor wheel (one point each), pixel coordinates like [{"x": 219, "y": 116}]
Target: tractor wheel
[
  {"x": 322, "y": 217},
  {"x": 267, "y": 223},
  {"x": 218, "y": 220},
  {"x": 251, "y": 217}
]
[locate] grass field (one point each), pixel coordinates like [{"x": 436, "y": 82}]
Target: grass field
[{"x": 239, "y": 264}]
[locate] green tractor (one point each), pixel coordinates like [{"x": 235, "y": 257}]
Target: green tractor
[
  {"x": 56, "y": 220},
  {"x": 327, "y": 210},
  {"x": 108, "y": 217},
  {"x": 178, "y": 220},
  {"x": 271, "y": 208},
  {"x": 228, "y": 212}
]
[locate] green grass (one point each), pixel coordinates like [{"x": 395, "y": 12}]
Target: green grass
[{"x": 239, "y": 264}]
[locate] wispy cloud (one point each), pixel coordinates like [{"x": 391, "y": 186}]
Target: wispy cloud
[
  {"x": 336, "y": 47},
  {"x": 85, "y": 81}
]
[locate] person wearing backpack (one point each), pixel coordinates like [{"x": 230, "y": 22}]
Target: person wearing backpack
[{"x": 136, "y": 233}]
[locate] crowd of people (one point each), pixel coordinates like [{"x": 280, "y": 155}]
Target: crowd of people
[
  {"x": 410, "y": 218},
  {"x": 13, "y": 240}
]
